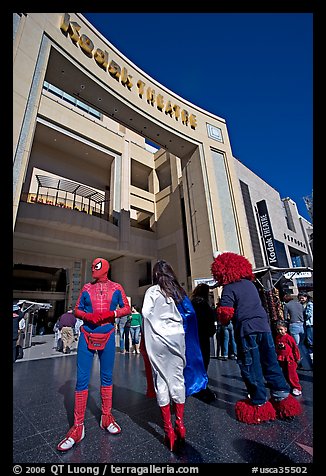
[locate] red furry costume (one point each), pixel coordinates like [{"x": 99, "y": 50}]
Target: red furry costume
[
  {"x": 288, "y": 356},
  {"x": 257, "y": 358}
]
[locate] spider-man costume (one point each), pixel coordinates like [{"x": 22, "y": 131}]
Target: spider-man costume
[{"x": 98, "y": 304}]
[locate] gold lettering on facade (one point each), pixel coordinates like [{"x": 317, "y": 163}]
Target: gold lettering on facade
[
  {"x": 184, "y": 117},
  {"x": 126, "y": 78},
  {"x": 114, "y": 70},
  {"x": 160, "y": 102},
  {"x": 101, "y": 57},
  {"x": 168, "y": 109},
  {"x": 176, "y": 111},
  {"x": 86, "y": 45},
  {"x": 193, "y": 121},
  {"x": 141, "y": 88},
  {"x": 150, "y": 94},
  {"x": 65, "y": 22},
  {"x": 73, "y": 31}
]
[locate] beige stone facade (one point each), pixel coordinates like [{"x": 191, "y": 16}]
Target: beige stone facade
[{"x": 83, "y": 114}]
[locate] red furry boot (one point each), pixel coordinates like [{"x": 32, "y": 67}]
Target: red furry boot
[
  {"x": 287, "y": 408},
  {"x": 77, "y": 431},
  {"x": 170, "y": 435},
  {"x": 107, "y": 420},
  {"x": 247, "y": 412}
]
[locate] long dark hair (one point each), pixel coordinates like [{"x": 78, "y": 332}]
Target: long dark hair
[
  {"x": 201, "y": 291},
  {"x": 165, "y": 277}
]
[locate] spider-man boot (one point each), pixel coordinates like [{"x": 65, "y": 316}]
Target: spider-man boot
[
  {"x": 180, "y": 429},
  {"x": 77, "y": 431},
  {"x": 170, "y": 436},
  {"x": 107, "y": 420}
]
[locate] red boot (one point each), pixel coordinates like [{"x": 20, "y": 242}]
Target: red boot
[
  {"x": 107, "y": 420},
  {"x": 247, "y": 412},
  {"x": 150, "y": 392},
  {"x": 180, "y": 429},
  {"x": 77, "y": 431},
  {"x": 170, "y": 435},
  {"x": 287, "y": 408}
]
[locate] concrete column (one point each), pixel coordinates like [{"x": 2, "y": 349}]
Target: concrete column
[
  {"x": 26, "y": 116},
  {"x": 125, "y": 178},
  {"x": 124, "y": 271}
]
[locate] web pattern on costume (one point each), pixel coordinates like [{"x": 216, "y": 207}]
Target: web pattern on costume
[{"x": 103, "y": 296}]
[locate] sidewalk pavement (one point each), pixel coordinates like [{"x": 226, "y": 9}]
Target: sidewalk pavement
[{"x": 43, "y": 399}]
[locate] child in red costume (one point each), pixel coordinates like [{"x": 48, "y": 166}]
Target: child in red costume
[
  {"x": 288, "y": 356},
  {"x": 257, "y": 358}
]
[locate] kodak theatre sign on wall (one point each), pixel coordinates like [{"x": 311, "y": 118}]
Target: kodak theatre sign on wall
[
  {"x": 267, "y": 233},
  {"x": 120, "y": 74}
]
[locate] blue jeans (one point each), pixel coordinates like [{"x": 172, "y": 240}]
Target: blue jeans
[
  {"x": 258, "y": 362},
  {"x": 310, "y": 337},
  {"x": 297, "y": 332},
  {"x": 228, "y": 333},
  {"x": 124, "y": 336},
  {"x": 135, "y": 333}
]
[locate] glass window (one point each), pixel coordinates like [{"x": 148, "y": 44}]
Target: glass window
[{"x": 226, "y": 207}]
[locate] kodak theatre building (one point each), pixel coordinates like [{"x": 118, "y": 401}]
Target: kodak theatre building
[{"x": 87, "y": 182}]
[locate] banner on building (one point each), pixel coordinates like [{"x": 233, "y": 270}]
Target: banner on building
[{"x": 267, "y": 233}]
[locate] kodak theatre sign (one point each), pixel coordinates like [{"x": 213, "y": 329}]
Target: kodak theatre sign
[{"x": 121, "y": 75}]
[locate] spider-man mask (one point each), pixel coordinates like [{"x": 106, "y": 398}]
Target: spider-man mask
[{"x": 100, "y": 268}]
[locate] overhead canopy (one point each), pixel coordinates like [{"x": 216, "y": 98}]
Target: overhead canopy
[
  {"x": 32, "y": 305},
  {"x": 71, "y": 187},
  {"x": 274, "y": 269},
  {"x": 288, "y": 273}
]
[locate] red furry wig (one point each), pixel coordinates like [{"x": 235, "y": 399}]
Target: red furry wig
[{"x": 230, "y": 267}]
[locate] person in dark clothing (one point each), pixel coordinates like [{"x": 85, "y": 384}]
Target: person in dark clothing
[
  {"x": 206, "y": 329},
  {"x": 66, "y": 325},
  {"x": 205, "y": 319},
  {"x": 17, "y": 315},
  {"x": 228, "y": 342},
  {"x": 293, "y": 313},
  {"x": 257, "y": 357}
]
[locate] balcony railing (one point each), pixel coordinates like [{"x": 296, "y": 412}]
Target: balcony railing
[{"x": 76, "y": 205}]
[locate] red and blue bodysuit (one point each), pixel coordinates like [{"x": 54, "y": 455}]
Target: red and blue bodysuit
[{"x": 98, "y": 304}]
